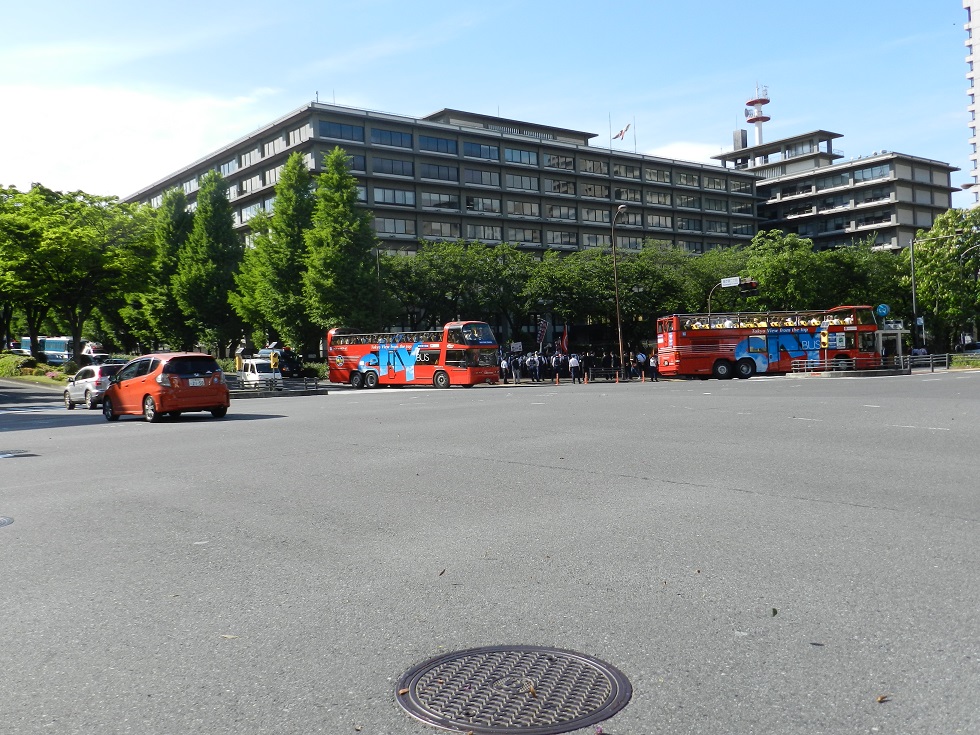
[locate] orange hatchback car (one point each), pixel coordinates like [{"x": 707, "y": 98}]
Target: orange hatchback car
[{"x": 167, "y": 383}]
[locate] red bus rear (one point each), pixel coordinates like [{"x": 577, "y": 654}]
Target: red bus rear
[
  {"x": 461, "y": 353},
  {"x": 745, "y": 343}
]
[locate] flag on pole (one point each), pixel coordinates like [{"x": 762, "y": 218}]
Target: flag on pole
[
  {"x": 621, "y": 135},
  {"x": 564, "y": 340}
]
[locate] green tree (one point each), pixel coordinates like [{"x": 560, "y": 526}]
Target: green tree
[
  {"x": 269, "y": 292},
  {"x": 341, "y": 283},
  {"x": 206, "y": 264},
  {"x": 788, "y": 270},
  {"x": 164, "y": 318},
  {"x": 23, "y": 276}
]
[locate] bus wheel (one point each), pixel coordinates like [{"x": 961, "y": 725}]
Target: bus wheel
[
  {"x": 356, "y": 380},
  {"x": 722, "y": 370},
  {"x": 440, "y": 380},
  {"x": 370, "y": 379},
  {"x": 842, "y": 362},
  {"x": 745, "y": 368}
]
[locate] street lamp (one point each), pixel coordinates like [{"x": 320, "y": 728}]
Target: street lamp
[
  {"x": 915, "y": 311},
  {"x": 619, "y": 322}
]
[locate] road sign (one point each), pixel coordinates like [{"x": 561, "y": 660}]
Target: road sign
[{"x": 729, "y": 282}]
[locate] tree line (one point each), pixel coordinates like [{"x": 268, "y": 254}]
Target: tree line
[{"x": 138, "y": 278}]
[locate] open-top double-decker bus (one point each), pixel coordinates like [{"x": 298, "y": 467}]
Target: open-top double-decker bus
[
  {"x": 461, "y": 353},
  {"x": 745, "y": 343}
]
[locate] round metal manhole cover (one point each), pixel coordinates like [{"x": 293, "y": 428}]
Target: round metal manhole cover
[
  {"x": 4, "y": 521},
  {"x": 531, "y": 690}
]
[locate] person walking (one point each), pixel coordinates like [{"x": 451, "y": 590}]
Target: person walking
[{"x": 573, "y": 368}]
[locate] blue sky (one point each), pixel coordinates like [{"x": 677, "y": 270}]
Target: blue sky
[{"x": 109, "y": 97}]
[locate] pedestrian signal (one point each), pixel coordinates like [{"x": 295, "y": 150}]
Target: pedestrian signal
[
  {"x": 748, "y": 287},
  {"x": 823, "y": 340},
  {"x": 274, "y": 360}
]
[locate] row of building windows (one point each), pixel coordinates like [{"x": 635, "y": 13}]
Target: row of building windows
[{"x": 403, "y": 226}]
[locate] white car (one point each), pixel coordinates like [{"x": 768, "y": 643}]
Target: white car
[
  {"x": 88, "y": 385},
  {"x": 258, "y": 374}
]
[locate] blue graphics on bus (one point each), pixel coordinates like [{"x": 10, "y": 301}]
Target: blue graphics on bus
[
  {"x": 393, "y": 357},
  {"x": 766, "y": 349}
]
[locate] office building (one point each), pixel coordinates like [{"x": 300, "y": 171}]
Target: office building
[
  {"x": 972, "y": 8},
  {"x": 457, "y": 174},
  {"x": 808, "y": 188}
]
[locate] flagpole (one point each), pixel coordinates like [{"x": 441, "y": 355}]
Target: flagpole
[
  {"x": 634, "y": 134},
  {"x": 610, "y": 131}
]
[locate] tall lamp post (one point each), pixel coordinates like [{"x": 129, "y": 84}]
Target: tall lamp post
[{"x": 619, "y": 322}]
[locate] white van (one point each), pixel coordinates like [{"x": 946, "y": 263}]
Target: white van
[{"x": 258, "y": 374}]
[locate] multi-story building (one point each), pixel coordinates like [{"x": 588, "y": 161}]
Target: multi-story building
[
  {"x": 972, "y": 8},
  {"x": 808, "y": 189},
  {"x": 462, "y": 175}
]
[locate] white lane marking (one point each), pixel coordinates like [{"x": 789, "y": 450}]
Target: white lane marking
[{"x": 800, "y": 418}]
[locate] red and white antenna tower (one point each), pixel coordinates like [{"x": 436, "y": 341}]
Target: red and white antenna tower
[{"x": 756, "y": 115}]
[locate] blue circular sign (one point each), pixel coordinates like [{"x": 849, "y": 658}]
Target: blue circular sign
[{"x": 883, "y": 310}]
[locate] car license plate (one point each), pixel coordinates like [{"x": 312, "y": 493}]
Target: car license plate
[{"x": 195, "y": 382}]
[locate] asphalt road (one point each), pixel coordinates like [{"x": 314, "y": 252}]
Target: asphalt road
[{"x": 774, "y": 555}]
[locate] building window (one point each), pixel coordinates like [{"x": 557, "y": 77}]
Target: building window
[
  {"x": 484, "y": 178},
  {"x": 357, "y": 163},
  {"x": 391, "y": 137},
  {"x": 274, "y": 146},
  {"x": 440, "y": 201},
  {"x": 595, "y": 191},
  {"x": 591, "y": 166},
  {"x": 523, "y": 234},
  {"x": 518, "y": 155},
  {"x": 691, "y": 224},
  {"x": 394, "y": 196},
  {"x": 560, "y": 237},
  {"x": 341, "y": 131},
  {"x": 715, "y": 205},
  {"x": 362, "y": 194},
  {"x": 553, "y": 160},
  {"x": 191, "y": 185},
  {"x": 482, "y": 204},
  {"x": 688, "y": 179},
  {"x": 443, "y": 173},
  {"x": 392, "y": 226},
  {"x": 303, "y": 133},
  {"x": 392, "y": 166},
  {"x": 478, "y": 150},
  {"x": 714, "y": 225},
  {"x": 624, "y": 171},
  {"x": 834, "y": 202},
  {"x": 626, "y": 194},
  {"x": 874, "y": 172},
  {"x": 742, "y": 229},
  {"x": 484, "y": 233},
  {"x": 440, "y": 229},
  {"x": 659, "y": 175},
  {"x": 523, "y": 209},
  {"x": 741, "y": 208},
  {"x": 831, "y": 182},
  {"x": 251, "y": 184},
  {"x": 659, "y": 221},
  {"x": 630, "y": 242},
  {"x": 250, "y": 211},
  {"x": 558, "y": 186},
  {"x": 740, "y": 187},
  {"x": 691, "y": 246},
  {"x": 798, "y": 149},
  {"x": 438, "y": 145},
  {"x": 556, "y": 211},
  {"x": 228, "y": 167},
  {"x": 596, "y": 215},
  {"x": 522, "y": 182},
  {"x": 632, "y": 218},
  {"x": 688, "y": 201},
  {"x": 594, "y": 240},
  {"x": 250, "y": 157},
  {"x": 877, "y": 194},
  {"x": 714, "y": 182},
  {"x": 661, "y": 198}
]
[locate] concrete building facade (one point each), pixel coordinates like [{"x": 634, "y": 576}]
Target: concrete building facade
[
  {"x": 972, "y": 8},
  {"x": 806, "y": 187},
  {"x": 456, "y": 174}
]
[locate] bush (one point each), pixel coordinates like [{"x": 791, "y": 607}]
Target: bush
[
  {"x": 69, "y": 367},
  {"x": 316, "y": 370},
  {"x": 11, "y": 365}
]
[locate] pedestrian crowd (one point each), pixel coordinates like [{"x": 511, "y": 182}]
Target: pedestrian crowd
[{"x": 538, "y": 367}]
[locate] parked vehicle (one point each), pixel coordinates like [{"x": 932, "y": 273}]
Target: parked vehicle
[
  {"x": 88, "y": 385},
  {"x": 167, "y": 383},
  {"x": 258, "y": 374},
  {"x": 288, "y": 362}
]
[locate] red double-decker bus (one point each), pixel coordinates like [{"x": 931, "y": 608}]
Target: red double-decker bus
[
  {"x": 461, "y": 353},
  {"x": 745, "y": 343}
]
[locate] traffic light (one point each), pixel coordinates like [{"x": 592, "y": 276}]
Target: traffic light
[
  {"x": 748, "y": 287},
  {"x": 823, "y": 340},
  {"x": 274, "y": 360}
]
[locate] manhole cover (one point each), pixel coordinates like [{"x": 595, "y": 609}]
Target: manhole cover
[
  {"x": 4, "y": 521},
  {"x": 530, "y": 690}
]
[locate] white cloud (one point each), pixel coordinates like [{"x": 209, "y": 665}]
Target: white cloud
[{"x": 115, "y": 141}]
